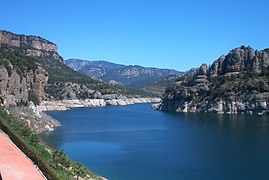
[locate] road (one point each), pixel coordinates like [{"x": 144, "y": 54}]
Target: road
[{"x": 14, "y": 164}]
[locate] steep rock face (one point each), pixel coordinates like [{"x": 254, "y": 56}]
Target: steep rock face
[
  {"x": 33, "y": 46},
  {"x": 19, "y": 81},
  {"x": 37, "y": 81},
  {"x": 12, "y": 88},
  {"x": 240, "y": 60},
  {"x": 16, "y": 89},
  {"x": 236, "y": 83}
]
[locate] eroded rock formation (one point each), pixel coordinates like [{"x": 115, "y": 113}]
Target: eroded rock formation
[
  {"x": 236, "y": 83},
  {"x": 17, "y": 89},
  {"x": 33, "y": 46}
]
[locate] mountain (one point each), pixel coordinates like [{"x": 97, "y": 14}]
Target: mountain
[
  {"x": 95, "y": 69},
  {"x": 130, "y": 76},
  {"x": 236, "y": 83},
  {"x": 32, "y": 69}
]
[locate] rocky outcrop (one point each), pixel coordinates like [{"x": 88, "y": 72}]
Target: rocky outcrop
[
  {"x": 218, "y": 106},
  {"x": 239, "y": 60},
  {"x": 37, "y": 120},
  {"x": 66, "y": 104},
  {"x": 33, "y": 46},
  {"x": 37, "y": 81},
  {"x": 16, "y": 88},
  {"x": 236, "y": 83},
  {"x": 32, "y": 42}
]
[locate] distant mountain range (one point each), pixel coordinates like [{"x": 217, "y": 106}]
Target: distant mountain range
[{"x": 127, "y": 75}]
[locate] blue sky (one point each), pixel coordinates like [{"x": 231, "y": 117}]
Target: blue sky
[{"x": 178, "y": 34}]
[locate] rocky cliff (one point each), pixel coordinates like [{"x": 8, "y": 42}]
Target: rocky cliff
[
  {"x": 33, "y": 46},
  {"x": 41, "y": 56},
  {"x": 22, "y": 79},
  {"x": 236, "y": 83},
  {"x": 28, "y": 60}
]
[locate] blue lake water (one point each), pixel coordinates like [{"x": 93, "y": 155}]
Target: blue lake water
[{"x": 136, "y": 142}]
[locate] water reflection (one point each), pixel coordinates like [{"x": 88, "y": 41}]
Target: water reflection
[
  {"x": 222, "y": 120},
  {"x": 90, "y": 127}
]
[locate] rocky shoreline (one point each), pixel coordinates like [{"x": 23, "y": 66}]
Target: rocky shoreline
[
  {"x": 39, "y": 121},
  {"x": 67, "y": 104},
  {"x": 215, "y": 106}
]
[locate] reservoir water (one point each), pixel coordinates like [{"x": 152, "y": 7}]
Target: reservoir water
[{"x": 136, "y": 142}]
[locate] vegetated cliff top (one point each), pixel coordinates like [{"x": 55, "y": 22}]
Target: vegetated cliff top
[
  {"x": 29, "y": 45},
  {"x": 26, "y": 41},
  {"x": 240, "y": 76}
]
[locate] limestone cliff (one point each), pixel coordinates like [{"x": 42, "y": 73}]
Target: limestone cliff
[
  {"x": 26, "y": 76},
  {"x": 33, "y": 46},
  {"x": 40, "y": 55},
  {"x": 236, "y": 83},
  {"x": 22, "y": 79}
]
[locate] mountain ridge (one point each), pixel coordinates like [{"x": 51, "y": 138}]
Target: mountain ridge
[{"x": 128, "y": 75}]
